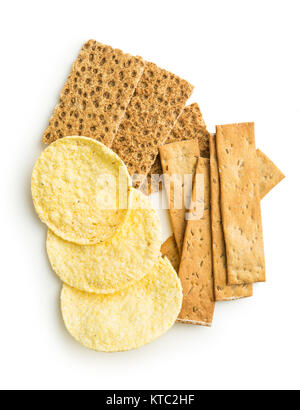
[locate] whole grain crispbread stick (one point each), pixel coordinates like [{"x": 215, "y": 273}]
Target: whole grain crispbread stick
[
  {"x": 180, "y": 159},
  {"x": 169, "y": 249},
  {"x": 195, "y": 270},
  {"x": 240, "y": 203},
  {"x": 270, "y": 175},
  {"x": 222, "y": 290}
]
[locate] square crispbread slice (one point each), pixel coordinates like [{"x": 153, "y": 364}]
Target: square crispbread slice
[
  {"x": 96, "y": 94},
  {"x": 222, "y": 290},
  {"x": 240, "y": 203},
  {"x": 190, "y": 125},
  {"x": 195, "y": 272},
  {"x": 179, "y": 159},
  {"x": 270, "y": 175},
  {"x": 154, "y": 108},
  {"x": 169, "y": 249}
]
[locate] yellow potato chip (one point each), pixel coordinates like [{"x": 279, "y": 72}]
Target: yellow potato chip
[
  {"x": 80, "y": 190},
  {"x": 112, "y": 265},
  {"x": 128, "y": 319}
]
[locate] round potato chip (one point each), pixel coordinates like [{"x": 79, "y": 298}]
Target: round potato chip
[
  {"x": 128, "y": 319},
  {"x": 113, "y": 265},
  {"x": 80, "y": 190}
]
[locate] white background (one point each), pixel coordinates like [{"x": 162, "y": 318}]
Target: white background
[{"x": 243, "y": 58}]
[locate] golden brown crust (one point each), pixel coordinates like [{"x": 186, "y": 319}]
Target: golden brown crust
[
  {"x": 169, "y": 249},
  {"x": 270, "y": 175},
  {"x": 96, "y": 94},
  {"x": 195, "y": 270},
  {"x": 222, "y": 290},
  {"x": 153, "y": 110},
  {"x": 240, "y": 203},
  {"x": 179, "y": 158}
]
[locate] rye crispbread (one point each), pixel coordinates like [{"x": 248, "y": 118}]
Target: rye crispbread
[
  {"x": 153, "y": 110},
  {"x": 96, "y": 94},
  {"x": 180, "y": 159},
  {"x": 195, "y": 272},
  {"x": 240, "y": 203}
]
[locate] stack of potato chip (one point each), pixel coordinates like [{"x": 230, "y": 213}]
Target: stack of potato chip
[{"x": 104, "y": 242}]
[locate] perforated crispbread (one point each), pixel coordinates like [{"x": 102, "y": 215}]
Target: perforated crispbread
[
  {"x": 81, "y": 190},
  {"x": 195, "y": 272},
  {"x": 180, "y": 158},
  {"x": 270, "y": 175},
  {"x": 115, "y": 264},
  {"x": 240, "y": 203},
  {"x": 153, "y": 110},
  {"x": 170, "y": 250},
  {"x": 96, "y": 94},
  {"x": 190, "y": 125},
  {"x": 222, "y": 290},
  {"x": 127, "y": 319}
]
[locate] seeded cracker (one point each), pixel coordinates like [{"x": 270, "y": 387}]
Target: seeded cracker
[
  {"x": 222, "y": 290},
  {"x": 169, "y": 249},
  {"x": 270, "y": 175},
  {"x": 96, "y": 94},
  {"x": 158, "y": 101},
  {"x": 195, "y": 270},
  {"x": 180, "y": 158},
  {"x": 240, "y": 203}
]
